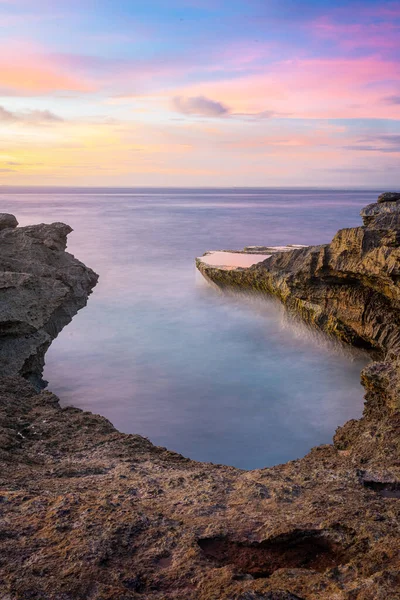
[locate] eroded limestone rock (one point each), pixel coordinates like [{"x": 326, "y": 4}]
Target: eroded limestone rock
[
  {"x": 41, "y": 289},
  {"x": 349, "y": 288}
]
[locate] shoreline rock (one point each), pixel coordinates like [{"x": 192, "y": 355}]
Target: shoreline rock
[
  {"x": 348, "y": 288},
  {"x": 88, "y": 513},
  {"x": 41, "y": 288},
  {"x": 389, "y": 197}
]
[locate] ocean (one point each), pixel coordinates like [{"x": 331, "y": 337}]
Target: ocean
[{"x": 219, "y": 377}]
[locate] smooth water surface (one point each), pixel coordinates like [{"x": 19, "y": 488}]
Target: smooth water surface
[{"x": 160, "y": 352}]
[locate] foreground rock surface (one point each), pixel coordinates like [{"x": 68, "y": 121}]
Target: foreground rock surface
[{"x": 91, "y": 513}]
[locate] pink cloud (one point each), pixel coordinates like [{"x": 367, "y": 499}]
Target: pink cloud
[
  {"x": 388, "y": 11},
  {"x": 374, "y": 36},
  {"x": 237, "y": 55},
  {"x": 27, "y": 70},
  {"x": 311, "y": 88}
]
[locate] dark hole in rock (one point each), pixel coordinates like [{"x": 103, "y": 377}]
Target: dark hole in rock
[
  {"x": 136, "y": 584},
  {"x": 304, "y": 549},
  {"x": 165, "y": 561},
  {"x": 388, "y": 489}
]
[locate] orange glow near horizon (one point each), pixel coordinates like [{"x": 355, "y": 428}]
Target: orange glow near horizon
[{"x": 315, "y": 104}]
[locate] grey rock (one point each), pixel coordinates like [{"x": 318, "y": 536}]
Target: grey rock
[
  {"x": 7, "y": 221},
  {"x": 41, "y": 289},
  {"x": 389, "y": 197},
  {"x": 371, "y": 213}
]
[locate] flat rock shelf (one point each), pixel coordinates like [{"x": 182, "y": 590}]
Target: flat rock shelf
[{"x": 252, "y": 255}]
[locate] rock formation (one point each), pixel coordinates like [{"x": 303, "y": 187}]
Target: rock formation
[
  {"x": 88, "y": 513},
  {"x": 41, "y": 289}
]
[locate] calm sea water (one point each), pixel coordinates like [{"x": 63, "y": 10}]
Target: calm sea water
[{"x": 217, "y": 377}]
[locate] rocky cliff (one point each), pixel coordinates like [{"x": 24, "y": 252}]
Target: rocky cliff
[
  {"x": 349, "y": 288},
  {"x": 88, "y": 513},
  {"x": 41, "y": 288}
]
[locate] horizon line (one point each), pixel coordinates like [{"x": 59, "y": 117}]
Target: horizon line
[{"x": 196, "y": 187}]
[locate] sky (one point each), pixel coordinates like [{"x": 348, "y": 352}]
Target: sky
[{"x": 200, "y": 93}]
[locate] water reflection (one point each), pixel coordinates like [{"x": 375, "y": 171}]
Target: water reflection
[{"x": 233, "y": 259}]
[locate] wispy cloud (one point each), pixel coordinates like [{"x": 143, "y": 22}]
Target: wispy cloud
[
  {"x": 258, "y": 116},
  {"x": 200, "y": 106},
  {"x": 386, "y": 143},
  {"x": 31, "y": 117},
  {"x": 27, "y": 69},
  {"x": 373, "y": 36},
  {"x": 205, "y": 107},
  {"x": 392, "y": 99}
]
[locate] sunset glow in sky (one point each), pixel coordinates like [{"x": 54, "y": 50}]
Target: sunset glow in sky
[{"x": 192, "y": 92}]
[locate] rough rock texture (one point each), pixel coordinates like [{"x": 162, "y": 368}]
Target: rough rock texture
[
  {"x": 7, "y": 221},
  {"x": 389, "y": 197},
  {"x": 349, "y": 288},
  {"x": 41, "y": 289},
  {"x": 88, "y": 513}
]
